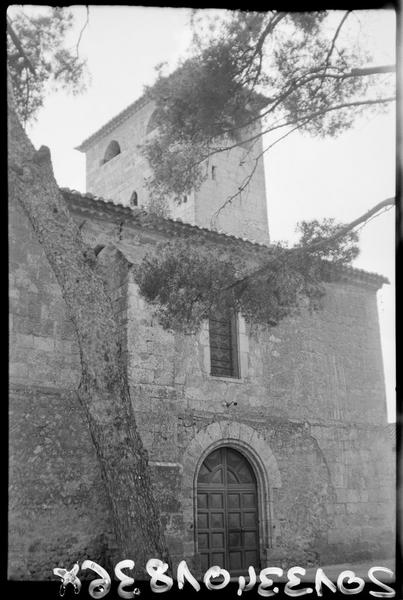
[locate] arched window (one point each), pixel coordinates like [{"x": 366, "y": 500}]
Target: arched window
[
  {"x": 133, "y": 199},
  {"x": 227, "y": 512},
  {"x": 223, "y": 334},
  {"x": 111, "y": 151},
  {"x": 154, "y": 121}
]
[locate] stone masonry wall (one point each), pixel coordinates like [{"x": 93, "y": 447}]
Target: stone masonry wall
[
  {"x": 311, "y": 391},
  {"x": 246, "y": 216},
  {"x": 320, "y": 373},
  {"x": 126, "y": 172},
  {"x": 324, "y": 424},
  {"x": 57, "y": 508}
]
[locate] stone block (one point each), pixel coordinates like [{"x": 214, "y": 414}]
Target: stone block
[
  {"x": 46, "y": 344},
  {"x": 26, "y": 341}
]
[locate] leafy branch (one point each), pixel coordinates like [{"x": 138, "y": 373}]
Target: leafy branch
[
  {"x": 187, "y": 281},
  {"x": 276, "y": 69},
  {"x": 37, "y": 57}
]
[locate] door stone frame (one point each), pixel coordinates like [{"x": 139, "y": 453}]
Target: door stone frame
[{"x": 256, "y": 450}]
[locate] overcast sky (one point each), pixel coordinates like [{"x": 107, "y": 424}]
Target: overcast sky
[{"x": 306, "y": 178}]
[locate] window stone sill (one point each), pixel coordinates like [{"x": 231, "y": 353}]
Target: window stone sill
[{"x": 227, "y": 379}]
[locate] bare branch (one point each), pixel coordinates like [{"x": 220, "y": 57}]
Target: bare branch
[
  {"x": 306, "y": 117},
  {"x": 274, "y": 21},
  {"x": 268, "y": 29},
  {"x": 248, "y": 179},
  {"x": 336, "y": 35},
  {"x": 240, "y": 189},
  {"x": 83, "y": 29},
  {"x": 331, "y": 49}
]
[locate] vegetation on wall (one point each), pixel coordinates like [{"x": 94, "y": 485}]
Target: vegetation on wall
[{"x": 187, "y": 281}]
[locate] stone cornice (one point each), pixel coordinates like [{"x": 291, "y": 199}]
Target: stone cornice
[
  {"x": 109, "y": 209},
  {"x": 110, "y": 125},
  {"x": 113, "y": 123}
]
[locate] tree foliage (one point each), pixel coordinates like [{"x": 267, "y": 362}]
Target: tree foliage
[
  {"x": 187, "y": 282},
  {"x": 248, "y": 74},
  {"x": 42, "y": 40},
  {"x": 291, "y": 70}
]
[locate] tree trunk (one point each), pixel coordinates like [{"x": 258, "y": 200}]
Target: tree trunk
[{"x": 103, "y": 390}]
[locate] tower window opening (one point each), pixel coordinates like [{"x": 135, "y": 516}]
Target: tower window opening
[
  {"x": 134, "y": 199},
  {"x": 112, "y": 150},
  {"x": 213, "y": 172}
]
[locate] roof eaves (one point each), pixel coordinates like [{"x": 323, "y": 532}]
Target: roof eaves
[
  {"x": 348, "y": 273},
  {"x": 139, "y": 216},
  {"x": 114, "y": 122},
  {"x": 97, "y": 205}
]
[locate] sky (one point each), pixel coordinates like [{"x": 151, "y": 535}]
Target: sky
[{"x": 306, "y": 178}]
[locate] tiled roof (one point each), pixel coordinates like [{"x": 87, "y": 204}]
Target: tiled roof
[
  {"x": 110, "y": 209},
  {"x": 138, "y": 216}
]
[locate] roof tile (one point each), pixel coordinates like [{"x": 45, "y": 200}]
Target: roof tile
[{"x": 87, "y": 201}]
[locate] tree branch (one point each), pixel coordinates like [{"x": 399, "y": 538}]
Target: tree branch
[
  {"x": 330, "y": 51},
  {"x": 274, "y": 21},
  {"x": 343, "y": 230},
  {"x": 241, "y": 188},
  {"x": 323, "y": 243},
  {"x": 248, "y": 179},
  {"x": 18, "y": 45},
  {"x": 306, "y": 117},
  {"x": 303, "y": 80},
  {"x": 364, "y": 71},
  {"x": 356, "y": 72},
  {"x": 336, "y": 35},
  {"x": 83, "y": 29}
]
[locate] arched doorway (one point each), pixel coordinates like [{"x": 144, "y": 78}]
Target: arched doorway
[{"x": 227, "y": 512}]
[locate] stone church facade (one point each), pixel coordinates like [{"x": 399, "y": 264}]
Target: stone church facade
[{"x": 268, "y": 446}]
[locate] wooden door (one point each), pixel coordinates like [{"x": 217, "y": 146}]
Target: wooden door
[{"x": 227, "y": 512}]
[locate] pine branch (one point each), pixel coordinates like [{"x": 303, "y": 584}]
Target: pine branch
[
  {"x": 18, "y": 45},
  {"x": 306, "y": 118},
  {"x": 318, "y": 245},
  {"x": 343, "y": 230}
]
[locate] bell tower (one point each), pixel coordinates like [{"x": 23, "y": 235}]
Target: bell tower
[{"x": 226, "y": 201}]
